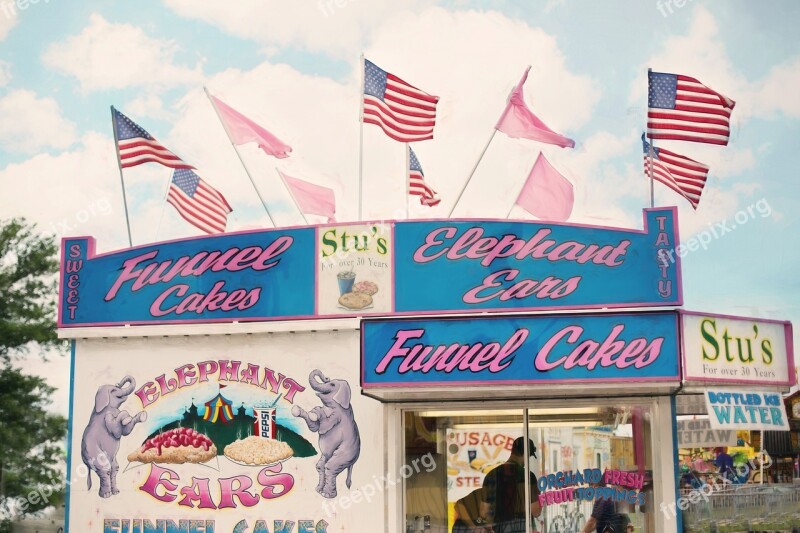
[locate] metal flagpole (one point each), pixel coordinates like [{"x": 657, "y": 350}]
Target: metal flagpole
[
  {"x": 280, "y": 174},
  {"x": 121, "y": 179},
  {"x": 235, "y": 149},
  {"x": 650, "y": 164},
  {"x": 650, "y": 155},
  {"x": 407, "y": 172},
  {"x": 361, "y": 136},
  {"x": 474, "y": 168}
]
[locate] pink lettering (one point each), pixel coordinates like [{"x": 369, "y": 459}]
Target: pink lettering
[
  {"x": 167, "y": 386},
  {"x": 397, "y": 349},
  {"x": 186, "y": 375},
  {"x": 199, "y": 491},
  {"x": 493, "y": 287},
  {"x": 232, "y": 260},
  {"x": 128, "y": 273},
  {"x": 430, "y": 242},
  {"x": 205, "y": 369},
  {"x": 228, "y": 492},
  {"x": 155, "y": 308},
  {"x": 147, "y": 393},
  {"x": 589, "y": 353},
  {"x": 160, "y": 477},
  {"x": 464, "y": 357},
  {"x": 275, "y": 483}
]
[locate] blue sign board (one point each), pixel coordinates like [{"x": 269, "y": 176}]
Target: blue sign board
[
  {"x": 507, "y": 350},
  {"x": 373, "y": 269},
  {"x": 215, "y": 279},
  {"x": 502, "y": 265}
]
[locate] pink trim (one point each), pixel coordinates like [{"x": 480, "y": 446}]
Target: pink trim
[
  {"x": 367, "y": 222},
  {"x": 734, "y": 317},
  {"x": 499, "y": 382},
  {"x": 60, "y": 286},
  {"x": 739, "y": 381},
  {"x": 679, "y": 277},
  {"x": 317, "y": 267},
  {"x": 394, "y": 269},
  {"x": 90, "y": 253},
  {"x": 788, "y": 331}
]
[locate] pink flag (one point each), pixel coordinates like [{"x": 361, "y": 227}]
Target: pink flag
[
  {"x": 311, "y": 199},
  {"x": 546, "y": 193},
  {"x": 519, "y": 122},
  {"x": 242, "y": 130}
]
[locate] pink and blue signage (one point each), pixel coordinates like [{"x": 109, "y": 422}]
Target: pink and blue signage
[
  {"x": 509, "y": 350},
  {"x": 222, "y": 278},
  {"x": 426, "y": 267},
  {"x": 467, "y": 266}
]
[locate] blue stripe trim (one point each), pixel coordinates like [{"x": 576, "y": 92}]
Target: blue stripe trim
[{"x": 69, "y": 433}]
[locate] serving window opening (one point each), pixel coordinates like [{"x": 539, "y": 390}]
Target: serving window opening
[{"x": 584, "y": 462}]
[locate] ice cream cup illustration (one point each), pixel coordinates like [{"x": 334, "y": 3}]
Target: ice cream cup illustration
[{"x": 346, "y": 279}]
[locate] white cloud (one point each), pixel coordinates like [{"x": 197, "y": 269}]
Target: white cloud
[
  {"x": 77, "y": 192},
  {"x": 115, "y": 56},
  {"x": 29, "y": 123},
  {"x": 148, "y": 105},
  {"x": 701, "y": 53},
  {"x": 297, "y": 108},
  {"x": 776, "y": 93},
  {"x": 8, "y": 18},
  {"x": 338, "y": 28}
]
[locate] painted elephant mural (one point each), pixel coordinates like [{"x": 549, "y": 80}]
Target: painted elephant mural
[
  {"x": 339, "y": 441},
  {"x": 107, "y": 425}
]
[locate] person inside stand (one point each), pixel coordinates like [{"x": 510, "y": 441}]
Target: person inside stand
[
  {"x": 725, "y": 464},
  {"x": 605, "y": 518},
  {"x": 471, "y": 512},
  {"x": 504, "y": 491}
]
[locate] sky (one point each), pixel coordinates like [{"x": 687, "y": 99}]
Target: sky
[{"x": 293, "y": 67}]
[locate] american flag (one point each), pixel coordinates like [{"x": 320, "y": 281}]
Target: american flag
[
  {"x": 681, "y": 174},
  {"x": 416, "y": 182},
  {"x": 198, "y": 202},
  {"x": 402, "y": 111},
  {"x": 683, "y": 109},
  {"x": 136, "y": 146}
]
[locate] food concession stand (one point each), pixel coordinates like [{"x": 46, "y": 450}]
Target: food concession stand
[{"x": 365, "y": 377}]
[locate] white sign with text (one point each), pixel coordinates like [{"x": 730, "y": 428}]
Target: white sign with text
[
  {"x": 740, "y": 350},
  {"x": 741, "y": 409},
  {"x": 698, "y": 433}
]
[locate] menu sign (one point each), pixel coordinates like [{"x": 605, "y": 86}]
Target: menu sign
[
  {"x": 372, "y": 269},
  {"x": 506, "y": 350},
  {"x": 720, "y": 348}
]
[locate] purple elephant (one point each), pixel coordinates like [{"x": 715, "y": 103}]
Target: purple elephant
[
  {"x": 106, "y": 427},
  {"x": 339, "y": 441}
]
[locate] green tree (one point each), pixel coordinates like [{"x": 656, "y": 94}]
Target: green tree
[
  {"x": 28, "y": 267},
  {"x": 31, "y": 438},
  {"x": 31, "y": 447}
]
